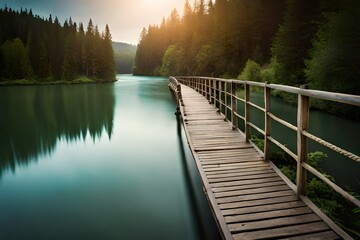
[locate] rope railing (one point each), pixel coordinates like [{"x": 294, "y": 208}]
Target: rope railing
[{"x": 222, "y": 93}]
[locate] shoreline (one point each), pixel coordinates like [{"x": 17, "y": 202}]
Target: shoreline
[{"x": 22, "y": 82}]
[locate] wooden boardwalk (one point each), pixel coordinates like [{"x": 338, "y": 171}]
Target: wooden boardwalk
[{"x": 247, "y": 196}]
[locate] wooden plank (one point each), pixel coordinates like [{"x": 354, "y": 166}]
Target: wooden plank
[
  {"x": 212, "y": 165},
  {"x": 264, "y": 208},
  {"x": 239, "y": 170},
  {"x": 267, "y": 215},
  {"x": 246, "y": 158},
  {"x": 259, "y": 202},
  {"x": 246, "y": 154},
  {"x": 283, "y": 231},
  {"x": 220, "y": 147},
  {"x": 250, "y": 186},
  {"x": 238, "y": 153},
  {"x": 246, "y": 166},
  {"x": 278, "y": 222},
  {"x": 229, "y": 168},
  {"x": 252, "y": 191},
  {"x": 232, "y": 161},
  {"x": 246, "y": 181},
  {"x": 327, "y": 235},
  {"x": 240, "y": 173},
  {"x": 251, "y": 197},
  {"x": 221, "y": 143},
  {"x": 216, "y": 180}
]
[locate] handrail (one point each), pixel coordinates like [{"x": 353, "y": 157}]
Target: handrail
[
  {"x": 332, "y": 96},
  {"x": 176, "y": 88},
  {"x": 213, "y": 90}
]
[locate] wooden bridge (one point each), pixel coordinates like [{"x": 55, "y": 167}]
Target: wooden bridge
[{"x": 249, "y": 196}]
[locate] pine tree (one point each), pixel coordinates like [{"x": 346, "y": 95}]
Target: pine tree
[
  {"x": 294, "y": 40},
  {"x": 107, "y": 64},
  {"x": 33, "y": 47},
  {"x": 70, "y": 58},
  {"x": 44, "y": 65},
  {"x": 89, "y": 49},
  {"x": 96, "y": 63},
  {"x": 57, "y": 50},
  {"x": 81, "y": 53}
]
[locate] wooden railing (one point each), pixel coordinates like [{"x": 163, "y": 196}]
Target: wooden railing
[
  {"x": 222, "y": 93},
  {"x": 176, "y": 88}
]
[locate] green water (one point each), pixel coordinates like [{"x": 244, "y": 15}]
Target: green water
[{"x": 105, "y": 161}]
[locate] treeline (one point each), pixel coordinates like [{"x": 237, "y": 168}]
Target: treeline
[
  {"x": 211, "y": 39},
  {"x": 290, "y": 42},
  {"x": 44, "y": 50}
]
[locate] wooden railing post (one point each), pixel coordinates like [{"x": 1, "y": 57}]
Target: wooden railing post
[
  {"x": 247, "y": 113},
  {"x": 302, "y": 143},
  {"x": 233, "y": 105},
  {"x": 225, "y": 100},
  {"x": 210, "y": 90},
  {"x": 215, "y": 87},
  {"x": 198, "y": 81},
  {"x": 267, "y": 143},
  {"x": 220, "y": 96},
  {"x": 203, "y": 87}
]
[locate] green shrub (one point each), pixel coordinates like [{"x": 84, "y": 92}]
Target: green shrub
[{"x": 251, "y": 72}]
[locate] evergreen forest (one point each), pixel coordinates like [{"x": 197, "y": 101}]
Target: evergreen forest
[
  {"x": 289, "y": 42},
  {"x": 38, "y": 50}
]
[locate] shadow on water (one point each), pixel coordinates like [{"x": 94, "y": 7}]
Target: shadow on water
[
  {"x": 36, "y": 118},
  {"x": 201, "y": 226}
]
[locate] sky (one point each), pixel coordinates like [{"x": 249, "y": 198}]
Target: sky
[{"x": 126, "y": 18}]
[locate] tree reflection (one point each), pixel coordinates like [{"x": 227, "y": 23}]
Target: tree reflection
[{"x": 33, "y": 119}]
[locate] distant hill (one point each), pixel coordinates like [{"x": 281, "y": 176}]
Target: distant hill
[
  {"x": 124, "y": 55},
  {"x": 123, "y": 47}
]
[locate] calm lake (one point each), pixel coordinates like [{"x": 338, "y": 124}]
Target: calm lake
[{"x": 103, "y": 161}]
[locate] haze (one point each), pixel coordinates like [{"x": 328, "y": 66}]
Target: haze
[{"x": 126, "y": 18}]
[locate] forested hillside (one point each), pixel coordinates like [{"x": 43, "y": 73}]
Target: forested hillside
[
  {"x": 44, "y": 50},
  {"x": 124, "y": 55},
  {"x": 289, "y": 42}
]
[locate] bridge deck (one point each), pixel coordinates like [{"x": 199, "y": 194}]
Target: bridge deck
[{"x": 247, "y": 196}]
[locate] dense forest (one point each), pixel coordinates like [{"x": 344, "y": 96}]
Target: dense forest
[
  {"x": 288, "y": 42},
  {"x": 43, "y": 50}
]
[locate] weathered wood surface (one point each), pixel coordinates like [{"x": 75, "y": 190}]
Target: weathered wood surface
[{"x": 247, "y": 196}]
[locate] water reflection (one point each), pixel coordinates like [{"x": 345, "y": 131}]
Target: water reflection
[{"x": 35, "y": 118}]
